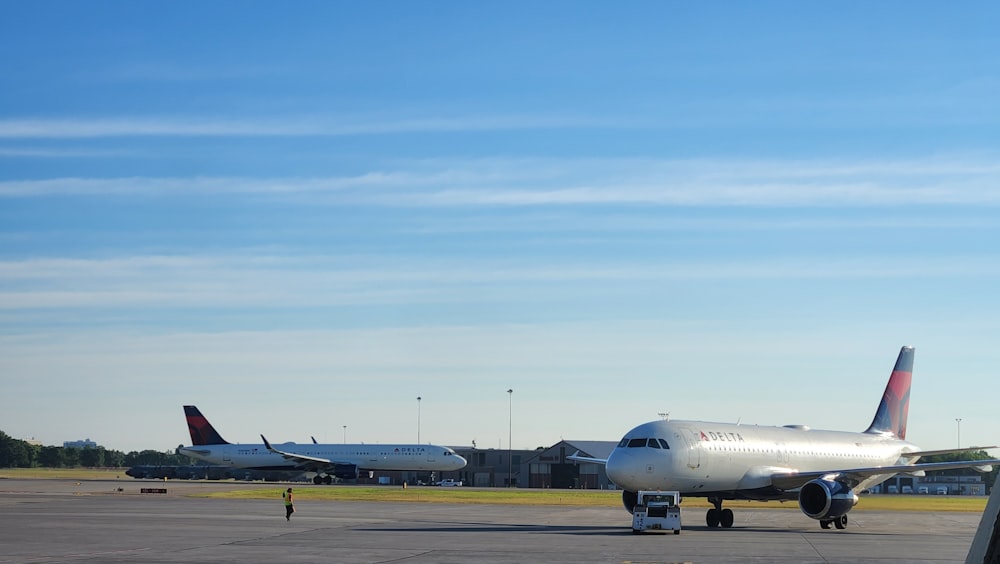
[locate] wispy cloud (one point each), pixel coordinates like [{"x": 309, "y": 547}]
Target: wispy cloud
[
  {"x": 30, "y": 152},
  {"x": 271, "y": 281},
  {"x": 171, "y": 71},
  {"x": 562, "y": 182},
  {"x": 304, "y": 126}
]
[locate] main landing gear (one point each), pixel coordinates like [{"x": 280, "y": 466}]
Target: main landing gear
[
  {"x": 327, "y": 479},
  {"x": 718, "y": 516},
  {"x": 839, "y": 522}
]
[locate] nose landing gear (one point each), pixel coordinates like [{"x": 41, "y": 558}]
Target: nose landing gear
[{"x": 718, "y": 516}]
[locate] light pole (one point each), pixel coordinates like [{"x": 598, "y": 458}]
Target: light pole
[
  {"x": 510, "y": 432},
  {"x": 345, "y": 434},
  {"x": 418, "y": 420},
  {"x": 958, "y": 425}
]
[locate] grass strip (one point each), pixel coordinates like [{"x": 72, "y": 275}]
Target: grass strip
[
  {"x": 64, "y": 473},
  {"x": 592, "y": 498}
]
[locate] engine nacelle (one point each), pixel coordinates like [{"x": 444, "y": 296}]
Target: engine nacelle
[
  {"x": 826, "y": 499},
  {"x": 346, "y": 471},
  {"x": 629, "y": 499}
]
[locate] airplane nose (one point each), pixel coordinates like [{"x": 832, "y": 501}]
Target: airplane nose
[{"x": 619, "y": 470}]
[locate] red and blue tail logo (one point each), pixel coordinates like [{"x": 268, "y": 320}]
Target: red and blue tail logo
[
  {"x": 892, "y": 412},
  {"x": 202, "y": 432}
]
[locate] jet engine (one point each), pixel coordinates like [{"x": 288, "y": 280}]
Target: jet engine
[
  {"x": 629, "y": 499},
  {"x": 826, "y": 499},
  {"x": 346, "y": 471}
]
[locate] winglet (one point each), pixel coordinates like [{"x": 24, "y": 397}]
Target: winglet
[
  {"x": 267, "y": 445},
  {"x": 895, "y": 405}
]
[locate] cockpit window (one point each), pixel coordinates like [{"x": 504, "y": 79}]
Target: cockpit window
[
  {"x": 636, "y": 443},
  {"x": 664, "y": 444},
  {"x": 653, "y": 444}
]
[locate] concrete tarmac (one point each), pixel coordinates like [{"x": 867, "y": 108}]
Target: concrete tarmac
[{"x": 55, "y": 521}]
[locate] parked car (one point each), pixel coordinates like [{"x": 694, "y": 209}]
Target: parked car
[{"x": 450, "y": 483}]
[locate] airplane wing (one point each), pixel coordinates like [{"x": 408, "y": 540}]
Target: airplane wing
[
  {"x": 853, "y": 476},
  {"x": 302, "y": 461},
  {"x": 922, "y": 453},
  {"x": 577, "y": 458}
]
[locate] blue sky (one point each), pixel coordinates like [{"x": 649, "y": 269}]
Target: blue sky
[{"x": 304, "y": 217}]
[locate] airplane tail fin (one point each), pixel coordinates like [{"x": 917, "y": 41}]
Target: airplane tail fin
[
  {"x": 892, "y": 412},
  {"x": 202, "y": 432}
]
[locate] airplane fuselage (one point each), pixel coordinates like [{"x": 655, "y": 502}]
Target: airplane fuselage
[
  {"x": 731, "y": 461},
  {"x": 367, "y": 456}
]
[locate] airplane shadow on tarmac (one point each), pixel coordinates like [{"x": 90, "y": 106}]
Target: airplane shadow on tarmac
[
  {"x": 502, "y": 528},
  {"x": 597, "y": 530}
]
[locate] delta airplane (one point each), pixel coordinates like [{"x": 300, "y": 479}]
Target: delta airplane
[
  {"x": 343, "y": 461},
  {"x": 821, "y": 469}
]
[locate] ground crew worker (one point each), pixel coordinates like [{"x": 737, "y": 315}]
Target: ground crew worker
[{"x": 289, "y": 508}]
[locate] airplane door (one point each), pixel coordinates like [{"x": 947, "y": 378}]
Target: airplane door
[
  {"x": 430, "y": 456},
  {"x": 693, "y": 448}
]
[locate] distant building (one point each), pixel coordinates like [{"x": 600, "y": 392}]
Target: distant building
[
  {"x": 549, "y": 468},
  {"x": 85, "y": 443},
  {"x": 539, "y": 468},
  {"x": 492, "y": 468},
  {"x": 970, "y": 483}
]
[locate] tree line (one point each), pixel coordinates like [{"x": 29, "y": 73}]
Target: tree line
[{"x": 15, "y": 453}]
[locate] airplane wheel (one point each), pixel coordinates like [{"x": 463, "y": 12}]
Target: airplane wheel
[
  {"x": 328, "y": 479},
  {"x": 840, "y": 522},
  {"x": 712, "y": 518},
  {"x": 824, "y": 524},
  {"x": 726, "y": 518},
  {"x": 317, "y": 480}
]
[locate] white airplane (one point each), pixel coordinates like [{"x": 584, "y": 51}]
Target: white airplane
[
  {"x": 344, "y": 461},
  {"x": 822, "y": 469}
]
